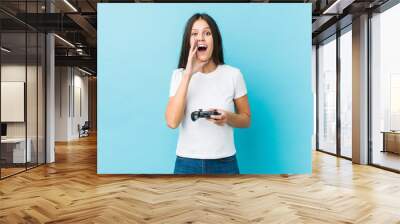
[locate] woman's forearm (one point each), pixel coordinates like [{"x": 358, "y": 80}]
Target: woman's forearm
[
  {"x": 176, "y": 105},
  {"x": 238, "y": 120}
]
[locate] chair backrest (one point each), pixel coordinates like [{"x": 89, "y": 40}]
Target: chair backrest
[{"x": 86, "y": 125}]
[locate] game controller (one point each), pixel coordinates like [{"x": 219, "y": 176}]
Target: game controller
[{"x": 203, "y": 114}]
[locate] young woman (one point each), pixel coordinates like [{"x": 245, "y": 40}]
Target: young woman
[{"x": 203, "y": 81}]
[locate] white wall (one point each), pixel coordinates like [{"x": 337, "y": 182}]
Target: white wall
[
  {"x": 79, "y": 117},
  {"x": 12, "y": 73},
  {"x": 12, "y": 100},
  {"x": 71, "y": 93},
  {"x": 62, "y": 81}
]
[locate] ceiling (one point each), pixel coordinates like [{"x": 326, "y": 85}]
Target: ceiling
[{"x": 76, "y": 22}]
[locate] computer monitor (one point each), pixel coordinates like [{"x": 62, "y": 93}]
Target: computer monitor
[{"x": 3, "y": 129}]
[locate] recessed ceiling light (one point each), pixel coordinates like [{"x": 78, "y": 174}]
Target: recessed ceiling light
[
  {"x": 5, "y": 50},
  {"x": 70, "y": 5},
  {"x": 84, "y": 71},
  {"x": 337, "y": 7},
  {"x": 64, "y": 40}
]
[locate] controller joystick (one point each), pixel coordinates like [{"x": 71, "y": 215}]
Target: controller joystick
[{"x": 203, "y": 114}]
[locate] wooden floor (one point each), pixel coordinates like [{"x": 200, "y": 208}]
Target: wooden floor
[
  {"x": 5, "y": 172},
  {"x": 70, "y": 191}
]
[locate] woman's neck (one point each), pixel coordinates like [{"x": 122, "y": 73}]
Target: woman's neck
[{"x": 209, "y": 67}]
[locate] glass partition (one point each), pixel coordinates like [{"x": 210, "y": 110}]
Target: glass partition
[
  {"x": 22, "y": 77},
  {"x": 14, "y": 153}
]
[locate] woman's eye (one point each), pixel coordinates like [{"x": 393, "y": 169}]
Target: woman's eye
[
  {"x": 208, "y": 33},
  {"x": 194, "y": 34}
]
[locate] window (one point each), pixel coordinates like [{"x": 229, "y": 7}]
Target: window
[
  {"x": 346, "y": 93},
  {"x": 327, "y": 96},
  {"x": 385, "y": 88}
]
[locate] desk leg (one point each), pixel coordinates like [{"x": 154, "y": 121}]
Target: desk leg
[{"x": 384, "y": 142}]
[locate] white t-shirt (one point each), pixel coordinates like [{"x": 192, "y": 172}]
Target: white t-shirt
[{"x": 202, "y": 139}]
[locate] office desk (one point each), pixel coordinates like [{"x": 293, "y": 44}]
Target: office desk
[
  {"x": 391, "y": 141},
  {"x": 13, "y": 150}
]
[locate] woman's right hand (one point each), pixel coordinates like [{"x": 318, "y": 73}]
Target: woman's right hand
[
  {"x": 193, "y": 63},
  {"x": 176, "y": 105}
]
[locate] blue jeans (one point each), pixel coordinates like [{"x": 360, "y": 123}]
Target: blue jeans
[{"x": 227, "y": 165}]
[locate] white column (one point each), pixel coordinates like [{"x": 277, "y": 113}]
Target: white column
[
  {"x": 314, "y": 92},
  {"x": 50, "y": 92},
  {"x": 360, "y": 90},
  {"x": 50, "y": 110}
]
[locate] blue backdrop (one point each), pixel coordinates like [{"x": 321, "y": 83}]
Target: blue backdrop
[{"x": 138, "y": 48}]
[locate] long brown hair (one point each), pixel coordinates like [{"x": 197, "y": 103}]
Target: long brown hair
[{"x": 217, "y": 54}]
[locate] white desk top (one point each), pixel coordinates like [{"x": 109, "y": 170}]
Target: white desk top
[{"x": 13, "y": 140}]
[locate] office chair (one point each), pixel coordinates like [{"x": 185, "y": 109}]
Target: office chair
[{"x": 84, "y": 130}]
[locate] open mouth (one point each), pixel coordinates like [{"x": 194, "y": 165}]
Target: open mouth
[{"x": 202, "y": 47}]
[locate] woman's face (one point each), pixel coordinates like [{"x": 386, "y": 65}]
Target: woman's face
[{"x": 201, "y": 33}]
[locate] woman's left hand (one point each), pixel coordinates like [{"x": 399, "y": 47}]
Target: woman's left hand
[{"x": 219, "y": 119}]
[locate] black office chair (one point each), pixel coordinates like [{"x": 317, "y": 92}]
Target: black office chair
[{"x": 84, "y": 130}]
